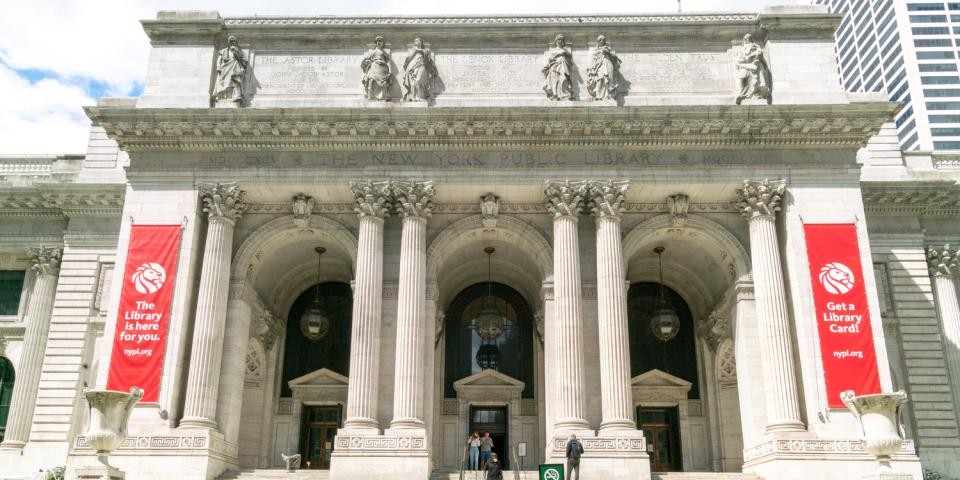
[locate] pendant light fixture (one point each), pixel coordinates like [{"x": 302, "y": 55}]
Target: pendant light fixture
[
  {"x": 313, "y": 323},
  {"x": 489, "y": 323},
  {"x": 665, "y": 322}
]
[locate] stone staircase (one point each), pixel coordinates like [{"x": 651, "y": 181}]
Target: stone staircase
[
  {"x": 472, "y": 475},
  {"x": 704, "y": 476},
  {"x": 269, "y": 474}
]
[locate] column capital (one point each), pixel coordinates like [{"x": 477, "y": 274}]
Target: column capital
[
  {"x": 46, "y": 260},
  {"x": 413, "y": 198},
  {"x": 942, "y": 261},
  {"x": 606, "y": 198},
  {"x": 759, "y": 198},
  {"x": 565, "y": 197},
  {"x": 223, "y": 200},
  {"x": 373, "y": 199}
]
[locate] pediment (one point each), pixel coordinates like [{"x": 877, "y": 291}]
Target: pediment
[
  {"x": 488, "y": 379},
  {"x": 659, "y": 378},
  {"x": 319, "y": 378}
]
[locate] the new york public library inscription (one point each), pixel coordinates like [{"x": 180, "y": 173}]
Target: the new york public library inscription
[
  {"x": 507, "y": 73},
  {"x": 497, "y": 159}
]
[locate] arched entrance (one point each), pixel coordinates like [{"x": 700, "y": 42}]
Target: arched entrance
[{"x": 6, "y": 392}]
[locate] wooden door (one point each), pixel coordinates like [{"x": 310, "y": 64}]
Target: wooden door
[
  {"x": 319, "y": 429},
  {"x": 661, "y": 429}
]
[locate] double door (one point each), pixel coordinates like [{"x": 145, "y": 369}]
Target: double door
[
  {"x": 661, "y": 428},
  {"x": 492, "y": 420},
  {"x": 319, "y": 428}
]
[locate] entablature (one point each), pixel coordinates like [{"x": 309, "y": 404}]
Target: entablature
[
  {"x": 59, "y": 201},
  {"x": 914, "y": 198}
]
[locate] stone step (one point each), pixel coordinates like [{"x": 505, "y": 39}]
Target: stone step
[
  {"x": 704, "y": 476},
  {"x": 270, "y": 474},
  {"x": 475, "y": 475}
]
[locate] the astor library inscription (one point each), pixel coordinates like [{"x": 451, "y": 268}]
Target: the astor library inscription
[{"x": 307, "y": 74}]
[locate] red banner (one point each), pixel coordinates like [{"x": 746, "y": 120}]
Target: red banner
[
  {"x": 843, "y": 318},
  {"x": 141, "y": 334}
]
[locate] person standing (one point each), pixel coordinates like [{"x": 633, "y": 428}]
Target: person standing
[
  {"x": 494, "y": 469},
  {"x": 574, "y": 451},
  {"x": 486, "y": 449},
  {"x": 474, "y": 443}
]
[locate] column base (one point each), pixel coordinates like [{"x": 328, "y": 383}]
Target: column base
[
  {"x": 12, "y": 445},
  {"x": 619, "y": 455},
  {"x": 198, "y": 422},
  {"x": 399, "y": 454},
  {"x": 362, "y": 424},
  {"x": 802, "y": 457},
  {"x": 407, "y": 424}
]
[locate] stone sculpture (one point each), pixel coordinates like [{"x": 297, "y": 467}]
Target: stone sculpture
[
  {"x": 753, "y": 72},
  {"x": 291, "y": 461},
  {"x": 556, "y": 70},
  {"x": 602, "y": 81},
  {"x": 231, "y": 68},
  {"x": 377, "y": 76},
  {"x": 879, "y": 416},
  {"x": 108, "y": 414},
  {"x": 419, "y": 73}
]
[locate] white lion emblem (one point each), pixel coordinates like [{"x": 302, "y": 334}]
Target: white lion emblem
[
  {"x": 836, "y": 278},
  {"x": 149, "y": 277}
]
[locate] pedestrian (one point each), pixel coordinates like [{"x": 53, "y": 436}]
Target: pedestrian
[
  {"x": 486, "y": 449},
  {"x": 574, "y": 451},
  {"x": 494, "y": 469},
  {"x": 474, "y": 443}
]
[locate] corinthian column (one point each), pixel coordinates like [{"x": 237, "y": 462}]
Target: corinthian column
[
  {"x": 759, "y": 202},
  {"x": 414, "y": 202},
  {"x": 606, "y": 204},
  {"x": 46, "y": 266},
  {"x": 224, "y": 203},
  {"x": 564, "y": 201},
  {"x": 943, "y": 265},
  {"x": 372, "y": 201}
]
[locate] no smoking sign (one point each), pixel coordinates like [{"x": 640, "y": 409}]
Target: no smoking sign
[{"x": 551, "y": 472}]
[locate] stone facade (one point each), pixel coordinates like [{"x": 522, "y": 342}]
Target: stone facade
[{"x": 573, "y": 194}]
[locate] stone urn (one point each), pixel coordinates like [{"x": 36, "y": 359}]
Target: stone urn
[
  {"x": 879, "y": 416},
  {"x": 107, "y": 424}
]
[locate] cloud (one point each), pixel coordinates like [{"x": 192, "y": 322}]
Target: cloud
[{"x": 100, "y": 46}]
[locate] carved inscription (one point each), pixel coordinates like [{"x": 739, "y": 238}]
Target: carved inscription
[
  {"x": 501, "y": 74},
  {"x": 677, "y": 72},
  {"x": 307, "y": 74}
]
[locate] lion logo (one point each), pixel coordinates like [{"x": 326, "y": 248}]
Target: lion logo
[
  {"x": 836, "y": 278},
  {"x": 149, "y": 277}
]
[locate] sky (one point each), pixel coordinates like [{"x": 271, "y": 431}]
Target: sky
[{"x": 57, "y": 56}]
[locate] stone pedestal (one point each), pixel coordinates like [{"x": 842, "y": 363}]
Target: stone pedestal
[
  {"x": 888, "y": 476},
  {"x": 100, "y": 472},
  {"x": 393, "y": 456},
  {"x": 622, "y": 456}
]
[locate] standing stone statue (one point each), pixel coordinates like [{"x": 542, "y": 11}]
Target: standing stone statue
[
  {"x": 231, "y": 67},
  {"x": 419, "y": 73},
  {"x": 556, "y": 71},
  {"x": 377, "y": 77},
  {"x": 602, "y": 75},
  {"x": 753, "y": 71}
]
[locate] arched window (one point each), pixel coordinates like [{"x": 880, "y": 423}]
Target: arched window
[
  {"x": 678, "y": 357},
  {"x": 472, "y": 346},
  {"x": 6, "y": 391},
  {"x": 332, "y": 350}
]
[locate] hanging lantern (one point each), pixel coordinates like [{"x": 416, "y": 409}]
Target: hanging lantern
[
  {"x": 313, "y": 323},
  {"x": 488, "y": 356},
  {"x": 665, "y": 323},
  {"x": 489, "y": 323}
]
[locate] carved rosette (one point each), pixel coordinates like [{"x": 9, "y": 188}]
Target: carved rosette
[
  {"x": 372, "y": 198},
  {"x": 760, "y": 198},
  {"x": 223, "y": 201},
  {"x": 46, "y": 260},
  {"x": 302, "y": 209},
  {"x": 413, "y": 199},
  {"x": 679, "y": 205},
  {"x": 943, "y": 261},
  {"x": 565, "y": 198},
  {"x": 607, "y": 198}
]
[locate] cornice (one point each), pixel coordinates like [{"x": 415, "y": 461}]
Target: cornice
[
  {"x": 467, "y": 20},
  {"x": 62, "y": 200},
  {"x": 934, "y": 199},
  {"x": 310, "y": 129}
]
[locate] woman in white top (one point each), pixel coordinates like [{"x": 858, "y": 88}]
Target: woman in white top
[{"x": 474, "y": 443}]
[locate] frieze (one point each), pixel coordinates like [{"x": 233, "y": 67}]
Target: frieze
[
  {"x": 604, "y": 444},
  {"x": 818, "y": 446},
  {"x": 166, "y": 442},
  {"x": 479, "y": 20},
  {"x": 928, "y": 199},
  {"x": 347, "y": 443}
]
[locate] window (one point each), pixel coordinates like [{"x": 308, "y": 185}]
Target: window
[
  {"x": 931, "y": 30},
  {"x": 896, "y": 95},
  {"x": 647, "y": 351},
  {"x": 934, "y": 55},
  {"x": 943, "y": 105},
  {"x": 935, "y": 42},
  {"x": 946, "y": 145},
  {"x": 954, "y": 6},
  {"x": 6, "y": 391},
  {"x": 941, "y": 92},
  {"x": 928, "y": 18},
  {"x": 944, "y": 118},
  {"x": 945, "y": 132},
  {"x": 303, "y": 355},
  {"x": 905, "y": 116},
  {"x": 909, "y": 128},
  {"x": 893, "y": 71},
  {"x": 924, "y": 7},
  {"x": 938, "y": 67},
  {"x": 11, "y": 286},
  {"x": 911, "y": 143},
  {"x": 939, "y": 80}
]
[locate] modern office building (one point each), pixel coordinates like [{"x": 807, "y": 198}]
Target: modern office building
[{"x": 359, "y": 239}]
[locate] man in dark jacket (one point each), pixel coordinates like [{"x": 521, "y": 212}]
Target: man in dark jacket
[
  {"x": 574, "y": 451},
  {"x": 494, "y": 469}
]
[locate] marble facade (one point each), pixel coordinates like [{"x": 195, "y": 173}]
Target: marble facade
[{"x": 574, "y": 194}]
